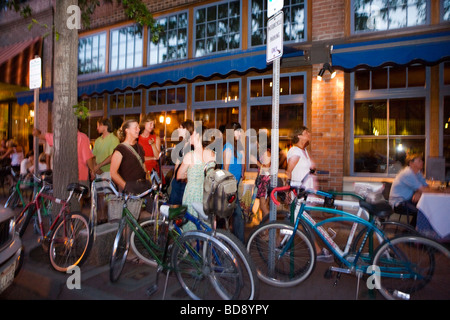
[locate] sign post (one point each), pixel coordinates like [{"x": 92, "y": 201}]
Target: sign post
[
  {"x": 35, "y": 84},
  {"x": 274, "y": 52}
]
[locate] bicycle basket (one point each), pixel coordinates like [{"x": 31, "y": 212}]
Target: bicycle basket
[{"x": 115, "y": 207}]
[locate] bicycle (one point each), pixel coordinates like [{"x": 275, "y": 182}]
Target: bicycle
[
  {"x": 368, "y": 200},
  {"x": 16, "y": 197},
  {"x": 69, "y": 238},
  {"x": 285, "y": 255},
  {"x": 209, "y": 264}
]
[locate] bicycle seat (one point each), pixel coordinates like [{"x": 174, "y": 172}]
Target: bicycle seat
[
  {"x": 172, "y": 212},
  {"x": 77, "y": 188},
  {"x": 380, "y": 209}
]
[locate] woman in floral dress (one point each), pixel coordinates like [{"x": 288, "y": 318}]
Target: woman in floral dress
[{"x": 193, "y": 169}]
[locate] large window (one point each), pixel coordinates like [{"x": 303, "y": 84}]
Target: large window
[
  {"x": 217, "y": 28},
  {"x": 126, "y": 48},
  {"x": 217, "y": 103},
  {"x": 378, "y": 15},
  {"x": 168, "y": 106},
  {"x": 294, "y": 21},
  {"x": 92, "y": 54},
  {"x": 124, "y": 106},
  {"x": 445, "y": 10},
  {"x": 292, "y": 111},
  {"x": 388, "y": 118},
  {"x": 172, "y": 43}
]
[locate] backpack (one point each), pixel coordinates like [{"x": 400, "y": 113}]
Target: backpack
[{"x": 219, "y": 193}]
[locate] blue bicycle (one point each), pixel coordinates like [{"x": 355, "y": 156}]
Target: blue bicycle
[{"x": 406, "y": 267}]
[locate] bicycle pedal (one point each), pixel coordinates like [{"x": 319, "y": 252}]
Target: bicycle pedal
[
  {"x": 152, "y": 290},
  {"x": 328, "y": 274}
]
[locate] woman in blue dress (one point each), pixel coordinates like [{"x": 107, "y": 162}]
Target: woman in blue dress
[{"x": 233, "y": 161}]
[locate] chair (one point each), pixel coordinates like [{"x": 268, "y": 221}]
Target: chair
[{"x": 408, "y": 209}]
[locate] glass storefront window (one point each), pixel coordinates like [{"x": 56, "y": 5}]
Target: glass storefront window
[
  {"x": 217, "y": 28},
  {"x": 378, "y": 15},
  {"x": 172, "y": 43},
  {"x": 385, "y": 131}
]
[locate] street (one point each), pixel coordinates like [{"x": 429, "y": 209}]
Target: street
[{"x": 38, "y": 280}]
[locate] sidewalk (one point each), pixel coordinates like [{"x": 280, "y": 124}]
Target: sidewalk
[{"x": 38, "y": 280}]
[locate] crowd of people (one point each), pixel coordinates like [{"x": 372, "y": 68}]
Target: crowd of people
[{"x": 129, "y": 156}]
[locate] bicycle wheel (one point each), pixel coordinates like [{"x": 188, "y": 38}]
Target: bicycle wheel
[
  {"x": 119, "y": 252},
  {"x": 157, "y": 234},
  {"x": 289, "y": 269},
  {"x": 23, "y": 219},
  {"x": 205, "y": 267},
  {"x": 249, "y": 286},
  {"x": 13, "y": 199},
  {"x": 70, "y": 242},
  {"x": 413, "y": 267},
  {"x": 391, "y": 229}
]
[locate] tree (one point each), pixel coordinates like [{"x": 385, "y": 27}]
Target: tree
[{"x": 65, "y": 76}]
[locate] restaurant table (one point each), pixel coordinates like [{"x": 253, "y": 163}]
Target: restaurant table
[{"x": 433, "y": 218}]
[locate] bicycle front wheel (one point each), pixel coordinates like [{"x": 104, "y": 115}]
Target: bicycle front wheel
[
  {"x": 157, "y": 233},
  {"x": 413, "y": 267},
  {"x": 119, "y": 252},
  {"x": 281, "y": 260},
  {"x": 249, "y": 286},
  {"x": 71, "y": 242},
  {"x": 205, "y": 267}
]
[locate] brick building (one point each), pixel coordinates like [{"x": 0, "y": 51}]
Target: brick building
[{"x": 390, "y": 95}]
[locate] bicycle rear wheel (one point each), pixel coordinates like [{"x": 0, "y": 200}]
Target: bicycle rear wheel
[
  {"x": 205, "y": 267},
  {"x": 289, "y": 269},
  {"x": 70, "y": 242},
  {"x": 249, "y": 286},
  {"x": 413, "y": 268},
  {"x": 119, "y": 252}
]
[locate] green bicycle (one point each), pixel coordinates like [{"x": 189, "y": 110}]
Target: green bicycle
[{"x": 209, "y": 264}]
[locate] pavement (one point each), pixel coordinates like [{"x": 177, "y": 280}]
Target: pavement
[{"x": 37, "y": 280}]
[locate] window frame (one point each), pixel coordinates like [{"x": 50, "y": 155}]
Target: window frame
[
  {"x": 355, "y": 32},
  {"x": 387, "y": 95},
  {"x": 249, "y": 28},
  {"x": 194, "y": 31},
  {"x": 110, "y": 57},
  {"x": 149, "y": 41},
  {"x": 105, "y": 58},
  {"x": 283, "y": 99}
]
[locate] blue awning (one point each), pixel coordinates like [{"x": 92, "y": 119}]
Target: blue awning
[
  {"x": 428, "y": 49},
  {"x": 189, "y": 70}
]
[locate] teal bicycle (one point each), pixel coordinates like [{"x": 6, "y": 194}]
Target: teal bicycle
[{"x": 405, "y": 267}]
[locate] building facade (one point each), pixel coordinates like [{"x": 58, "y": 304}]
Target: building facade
[{"x": 390, "y": 94}]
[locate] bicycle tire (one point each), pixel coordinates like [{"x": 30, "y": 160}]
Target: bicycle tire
[
  {"x": 413, "y": 267},
  {"x": 70, "y": 242},
  {"x": 119, "y": 251},
  {"x": 249, "y": 283},
  {"x": 294, "y": 266},
  {"x": 24, "y": 218},
  {"x": 158, "y": 239},
  {"x": 391, "y": 229},
  {"x": 205, "y": 268},
  {"x": 12, "y": 200}
]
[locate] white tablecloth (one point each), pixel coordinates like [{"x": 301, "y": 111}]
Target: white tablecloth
[{"x": 436, "y": 208}]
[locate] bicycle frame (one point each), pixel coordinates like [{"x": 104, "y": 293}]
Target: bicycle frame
[
  {"x": 300, "y": 209},
  {"x": 41, "y": 195}
]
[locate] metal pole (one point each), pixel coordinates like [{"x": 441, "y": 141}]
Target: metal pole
[{"x": 274, "y": 156}]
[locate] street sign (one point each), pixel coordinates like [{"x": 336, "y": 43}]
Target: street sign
[
  {"x": 35, "y": 73},
  {"x": 275, "y": 33},
  {"x": 273, "y": 6}
]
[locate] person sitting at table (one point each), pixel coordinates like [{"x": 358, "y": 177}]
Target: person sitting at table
[{"x": 407, "y": 188}]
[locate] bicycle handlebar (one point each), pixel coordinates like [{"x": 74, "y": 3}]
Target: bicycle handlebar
[{"x": 302, "y": 190}]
